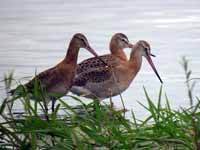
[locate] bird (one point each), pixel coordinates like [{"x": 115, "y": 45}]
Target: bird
[
  {"x": 102, "y": 82},
  {"x": 93, "y": 78},
  {"x": 58, "y": 79}
]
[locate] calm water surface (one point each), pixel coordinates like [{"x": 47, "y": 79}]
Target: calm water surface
[{"x": 34, "y": 34}]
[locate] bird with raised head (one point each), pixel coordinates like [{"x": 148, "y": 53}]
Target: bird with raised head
[
  {"x": 93, "y": 78},
  {"x": 104, "y": 82}
]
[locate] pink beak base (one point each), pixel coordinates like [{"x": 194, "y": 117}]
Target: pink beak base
[{"x": 130, "y": 45}]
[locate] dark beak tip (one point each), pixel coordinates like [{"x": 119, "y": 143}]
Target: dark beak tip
[
  {"x": 153, "y": 55},
  {"x": 154, "y": 69}
]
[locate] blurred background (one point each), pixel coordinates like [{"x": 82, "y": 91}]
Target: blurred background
[{"x": 34, "y": 35}]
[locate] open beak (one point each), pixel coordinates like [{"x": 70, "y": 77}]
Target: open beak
[
  {"x": 148, "y": 57},
  {"x": 96, "y": 55}
]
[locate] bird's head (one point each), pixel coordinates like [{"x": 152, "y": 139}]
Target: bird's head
[
  {"x": 120, "y": 41},
  {"x": 81, "y": 41},
  {"x": 143, "y": 47}
]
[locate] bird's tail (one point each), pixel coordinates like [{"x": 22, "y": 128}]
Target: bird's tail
[
  {"x": 17, "y": 91},
  {"x": 11, "y": 92}
]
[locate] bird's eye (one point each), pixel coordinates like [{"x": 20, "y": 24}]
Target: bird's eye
[
  {"x": 146, "y": 51},
  {"x": 124, "y": 40},
  {"x": 84, "y": 42}
]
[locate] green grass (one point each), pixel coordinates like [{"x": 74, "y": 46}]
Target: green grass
[{"x": 99, "y": 126}]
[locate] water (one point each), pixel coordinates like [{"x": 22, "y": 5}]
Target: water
[{"x": 34, "y": 34}]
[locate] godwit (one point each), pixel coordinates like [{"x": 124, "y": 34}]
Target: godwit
[
  {"x": 102, "y": 82},
  {"x": 58, "y": 80},
  {"x": 93, "y": 79}
]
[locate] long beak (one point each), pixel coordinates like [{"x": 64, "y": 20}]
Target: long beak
[
  {"x": 153, "y": 66},
  {"x": 96, "y": 55}
]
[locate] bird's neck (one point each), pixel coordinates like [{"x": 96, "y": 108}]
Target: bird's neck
[
  {"x": 119, "y": 53},
  {"x": 135, "y": 60},
  {"x": 72, "y": 54}
]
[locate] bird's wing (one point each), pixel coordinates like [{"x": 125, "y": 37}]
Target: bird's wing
[
  {"x": 94, "y": 63},
  {"x": 92, "y": 70},
  {"x": 45, "y": 80},
  {"x": 92, "y": 76}
]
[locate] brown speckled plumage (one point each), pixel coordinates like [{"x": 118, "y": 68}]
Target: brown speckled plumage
[
  {"x": 93, "y": 77},
  {"x": 104, "y": 82},
  {"x": 100, "y": 74}
]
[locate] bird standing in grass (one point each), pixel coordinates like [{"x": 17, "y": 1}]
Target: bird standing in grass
[
  {"x": 102, "y": 82},
  {"x": 58, "y": 80},
  {"x": 93, "y": 79}
]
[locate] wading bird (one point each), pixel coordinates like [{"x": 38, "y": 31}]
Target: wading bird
[
  {"x": 93, "y": 79},
  {"x": 58, "y": 80},
  {"x": 103, "y": 82}
]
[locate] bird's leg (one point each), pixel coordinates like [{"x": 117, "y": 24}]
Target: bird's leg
[
  {"x": 111, "y": 102},
  {"x": 95, "y": 98},
  {"x": 46, "y": 109},
  {"x": 53, "y": 105}
]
